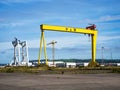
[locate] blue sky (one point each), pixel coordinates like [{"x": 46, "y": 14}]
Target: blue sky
[{"x": 22, "y": 19}]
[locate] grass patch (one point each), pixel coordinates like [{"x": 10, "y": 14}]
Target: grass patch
[{"x": 43, "y": 69}]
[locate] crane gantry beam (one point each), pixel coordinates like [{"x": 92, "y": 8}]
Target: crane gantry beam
[
  {"x": 67, "y": 29},
  {"x": 93, "y": 34}
]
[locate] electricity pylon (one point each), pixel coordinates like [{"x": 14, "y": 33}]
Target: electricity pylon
[{"x": 53, "y": 50}]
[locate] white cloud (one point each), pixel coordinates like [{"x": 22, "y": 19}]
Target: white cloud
[
  {"x": 106, "y": 38},
  {"x": 71, "y": 42},
  {"x": 103, "y": 19},
  {"x": 5, "y": 45},
  {"x": 63, "y": 42},
  {"x": 12, "y": 24},
  {"x": 109, "y": 18},
  {"x": 16, "y": 23}
]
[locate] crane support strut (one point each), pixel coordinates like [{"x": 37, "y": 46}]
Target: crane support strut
[
  {"x": 40, "y": 51},
  {"x": 93, "y": 34}
]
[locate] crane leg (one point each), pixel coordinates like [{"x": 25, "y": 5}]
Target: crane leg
[
  {"x": 40, "y": 50},
  {"x": 93, "y": 62},
  {"x": 42, "y": 40},
  {"x": 45, "y": 52}
]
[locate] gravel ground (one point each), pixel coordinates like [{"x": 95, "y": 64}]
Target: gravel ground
[{"x": 22, "y": 81}]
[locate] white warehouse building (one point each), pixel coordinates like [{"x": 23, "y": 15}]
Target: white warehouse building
[
  {"x": 70, "y": 64},
  {"x": 56, "y": 64}
]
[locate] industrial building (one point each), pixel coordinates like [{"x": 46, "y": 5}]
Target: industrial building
[{"x": 60, "y": 63}]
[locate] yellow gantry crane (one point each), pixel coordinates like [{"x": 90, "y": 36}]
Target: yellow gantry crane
[{"x": 88, "y": 30}]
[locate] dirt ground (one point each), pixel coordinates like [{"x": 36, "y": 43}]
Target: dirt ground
[{"x": 22, "y": 81}]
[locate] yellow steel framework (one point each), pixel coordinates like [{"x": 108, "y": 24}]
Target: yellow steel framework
[
  {"x": 93, "y": 34},
  {"x": 40, "y": 51}
]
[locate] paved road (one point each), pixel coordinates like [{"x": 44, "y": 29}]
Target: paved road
[{"x": 15, "y": 81}]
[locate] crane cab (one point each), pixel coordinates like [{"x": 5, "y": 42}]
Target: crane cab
[{"x": 91, "y": 27}]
